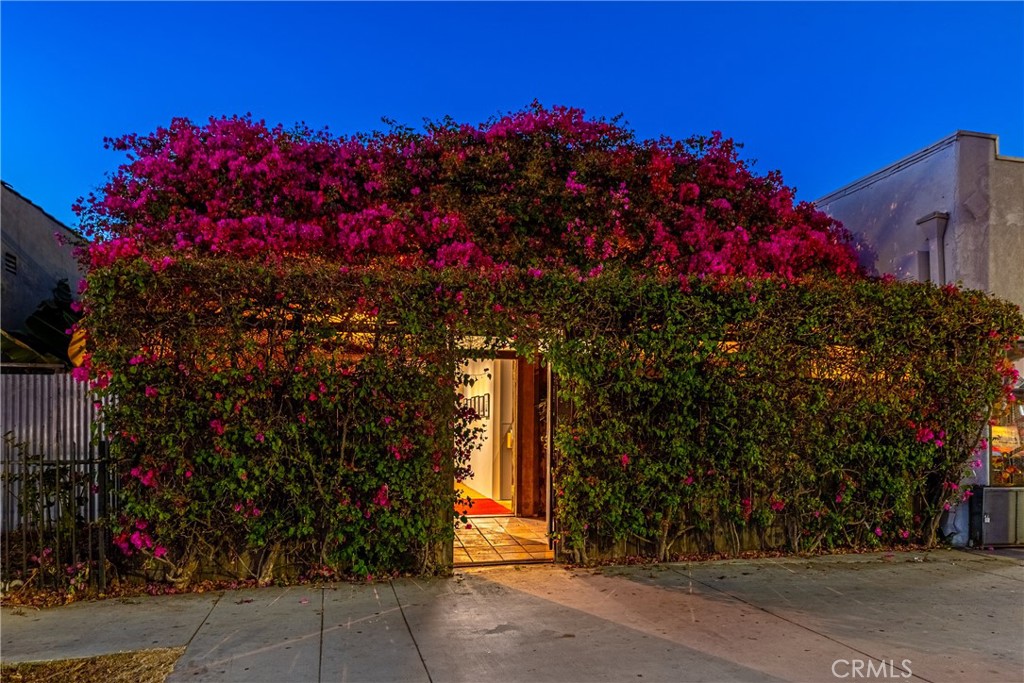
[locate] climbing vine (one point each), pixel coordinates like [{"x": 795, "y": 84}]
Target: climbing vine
[{"x": 278, "y": 318}]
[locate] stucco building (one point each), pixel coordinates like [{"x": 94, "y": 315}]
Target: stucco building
[{"x": 954, "y": 212}]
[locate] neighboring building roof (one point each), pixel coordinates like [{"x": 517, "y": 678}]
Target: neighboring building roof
[
  {"x": 910, "y": 160},
  {"x": 46, "y": 213}
]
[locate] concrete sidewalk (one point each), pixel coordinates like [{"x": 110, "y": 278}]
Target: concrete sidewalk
[{"x": 937, "y": 616}]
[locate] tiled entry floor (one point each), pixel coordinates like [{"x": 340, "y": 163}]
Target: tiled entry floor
[{"x": 494, "y": 540}]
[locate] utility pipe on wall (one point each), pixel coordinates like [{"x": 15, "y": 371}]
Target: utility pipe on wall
[{"x": 934, "y": 227}]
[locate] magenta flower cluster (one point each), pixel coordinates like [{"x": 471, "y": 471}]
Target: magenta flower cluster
[{"x": 236, "y": 186}]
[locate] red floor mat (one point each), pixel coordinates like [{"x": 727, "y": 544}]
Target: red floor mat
[{"x": 482, "y": 506}]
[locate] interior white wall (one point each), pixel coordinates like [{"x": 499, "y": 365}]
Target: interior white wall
[
  {"x": 482, "y": 459},
  {"x": 504, "y": 412}
]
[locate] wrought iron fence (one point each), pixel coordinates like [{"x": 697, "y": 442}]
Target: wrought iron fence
[{"x": 56, "y": 490}]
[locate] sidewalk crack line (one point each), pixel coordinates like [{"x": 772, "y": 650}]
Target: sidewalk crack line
[
  {"x": 320, "y": 662},
  {"x": 790, "y": 621},
  {"x": 411, "y": 635}
]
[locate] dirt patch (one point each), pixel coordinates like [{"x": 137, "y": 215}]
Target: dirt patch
[{"x": 146, "y": 666}]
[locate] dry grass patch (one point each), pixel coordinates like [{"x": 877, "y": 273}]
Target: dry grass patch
[{"x": 145, "y": 666}]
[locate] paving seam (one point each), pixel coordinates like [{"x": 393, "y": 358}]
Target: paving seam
[
  {"x": 794, "y": 623},
  {"x": 320, "y": 660},
  {"x": 975, "y": 553},
  {"x": 401, "y": 609},
  {"x": 205, "y": 619},
  {"x": 195, "y": 633}
]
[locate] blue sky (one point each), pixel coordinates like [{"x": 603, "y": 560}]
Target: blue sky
[{"x": 825, "y": 92}]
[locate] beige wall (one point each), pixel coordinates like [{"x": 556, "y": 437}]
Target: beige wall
[{"x": 483, "y": 373}]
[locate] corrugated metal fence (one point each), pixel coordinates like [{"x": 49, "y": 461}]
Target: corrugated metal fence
[{"x": 55, "y": 489}]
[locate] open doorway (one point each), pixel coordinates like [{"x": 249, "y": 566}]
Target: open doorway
[
  {"x": 508, "y": 519},
  {"x": 490, "y": 487}
]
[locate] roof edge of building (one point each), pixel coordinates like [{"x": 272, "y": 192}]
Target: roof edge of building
[
  {"x": 46, "y": 213},
  {"x": 910, "y": 160}
]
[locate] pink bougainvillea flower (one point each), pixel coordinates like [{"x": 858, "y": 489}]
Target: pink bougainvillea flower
[
  {"x": 151, "y": 391},
  {"x": 878, "y": 531}
]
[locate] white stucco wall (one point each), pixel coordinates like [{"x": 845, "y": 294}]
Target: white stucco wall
[
  {"x": 882, "y": 209},
  {"x": 1006, "y": 228},
  {"x": 963, "y": 176}
]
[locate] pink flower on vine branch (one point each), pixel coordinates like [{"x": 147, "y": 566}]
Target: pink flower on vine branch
[
  {"x": 573, "y": 185},
  {"x": 217, "y": 426},
  {"x": 147, "y": 479},
  {"x": 624, "y": 460},
  {"x": 151, "y": 392},
  {"x": 878, "y": 531}
]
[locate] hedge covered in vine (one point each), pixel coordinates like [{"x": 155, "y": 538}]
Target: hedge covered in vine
[
  {"x": 837, "y": 413},
  {"x": 304, "y": 415},
  {"x": 277, "y": 321}
]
